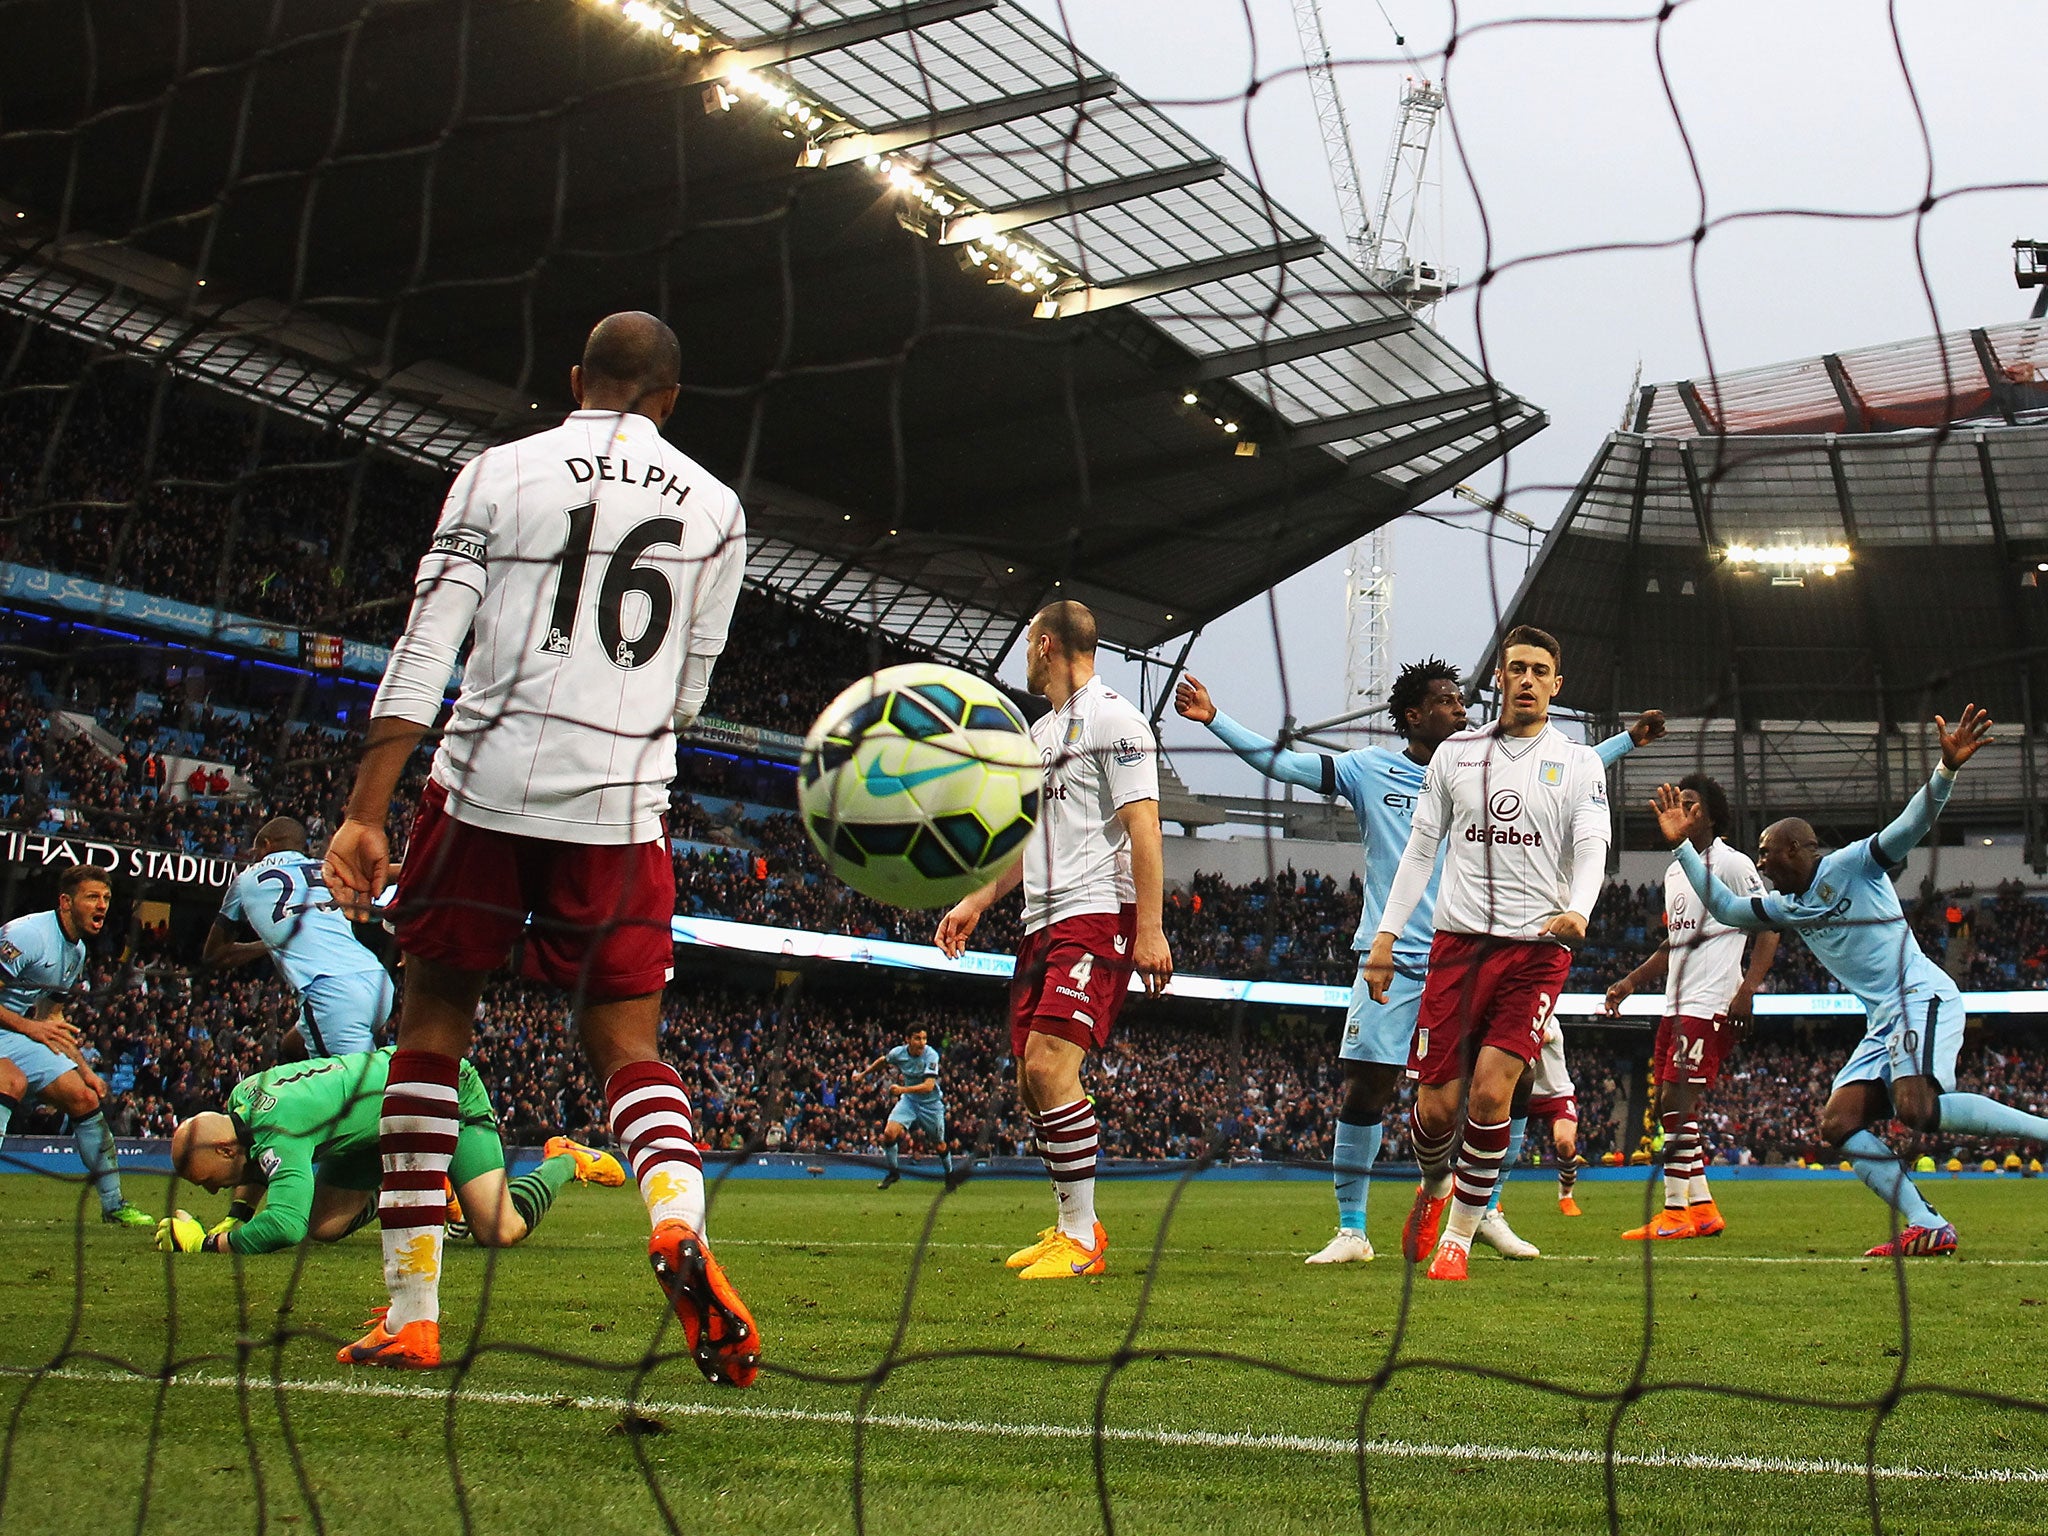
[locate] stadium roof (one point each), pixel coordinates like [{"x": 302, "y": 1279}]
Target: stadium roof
[
  {"x": 969, "y": 324},
  {"x": 1833, "y": 575}
]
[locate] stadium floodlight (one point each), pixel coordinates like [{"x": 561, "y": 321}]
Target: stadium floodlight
[
  {"x": 2030, "y": 263},
  {"x": 1825, "y": 558}
]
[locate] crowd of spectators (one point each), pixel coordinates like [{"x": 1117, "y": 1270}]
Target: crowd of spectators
[
  {"x": 736, "y": 857},
  {"x": 185, "y": 494},
  {"x": 775, "y": 1070}
]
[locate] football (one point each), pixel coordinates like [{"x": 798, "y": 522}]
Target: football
[{"x": 919, "y": 784}]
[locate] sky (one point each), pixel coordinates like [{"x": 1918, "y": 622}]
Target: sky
[{"x": 1559, "y": 138}]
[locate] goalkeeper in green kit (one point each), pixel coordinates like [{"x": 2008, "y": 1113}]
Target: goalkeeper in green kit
[{"x": 299, "y": 1144}]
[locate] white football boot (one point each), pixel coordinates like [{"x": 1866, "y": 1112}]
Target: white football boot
[
  {"x": 1495, "y": 1232},
  {"x": 1347, "y": 1247}
]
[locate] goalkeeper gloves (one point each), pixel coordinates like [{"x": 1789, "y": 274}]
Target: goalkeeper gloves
[
  {"x": 225, "y": 1225},
  {"x": 179, "y": 1234}
]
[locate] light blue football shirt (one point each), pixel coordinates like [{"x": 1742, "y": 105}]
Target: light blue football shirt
[
  {"x": 37, "y": 961},
  {"x": 1851, "y": 919},
  {"x": 1382, "y": 786},
  {"x": 284, "y": 898},
  {"x": 914, "y": 1069}
]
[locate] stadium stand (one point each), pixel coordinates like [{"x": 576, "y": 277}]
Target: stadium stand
[{"x": 738, "y": 854}]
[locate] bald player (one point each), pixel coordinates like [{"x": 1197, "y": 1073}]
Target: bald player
[
  {"x": 594, "y": 568},
  {"x": 1843, "y": 905},
  {"x": 343, "y": 990},
  {"x": 1093, "y": 876},
  {"x": 300, "y": 1140}
]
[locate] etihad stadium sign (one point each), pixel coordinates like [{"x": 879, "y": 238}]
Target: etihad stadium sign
[{"x": 121, "y": 861}]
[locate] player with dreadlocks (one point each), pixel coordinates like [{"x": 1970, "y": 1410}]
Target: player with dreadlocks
[{"x": 1426, "y": 707}]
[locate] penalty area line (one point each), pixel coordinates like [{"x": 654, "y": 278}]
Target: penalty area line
[{"x": 1166, "y": 1439}]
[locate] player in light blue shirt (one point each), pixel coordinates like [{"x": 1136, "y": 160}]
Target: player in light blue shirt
[
  {"x": 1844, "y": 907},
  {"x": 919, "y": 1101},
  {"x": 344, "y": 992},
  {"x": 42, "y": 964},
  {"x": 1428, "y": 708}
]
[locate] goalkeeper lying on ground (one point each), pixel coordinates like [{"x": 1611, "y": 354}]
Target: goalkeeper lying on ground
[{"x": 301, "y": 1141}]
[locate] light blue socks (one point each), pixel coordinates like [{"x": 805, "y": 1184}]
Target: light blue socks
[{"x": 1357, "y": 1149}]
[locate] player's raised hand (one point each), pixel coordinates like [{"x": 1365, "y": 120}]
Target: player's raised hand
[
  {"x": 1191, "y": 700},
  {"x": 1618, "y": 994},
  {"x": 1675, "y": 819},
  {"x": 1649, "y": 727},
  {"x": 957, "y": 927},
  {"x": 1153, "y": 961},
  {"x": 1972, "y": 731},
  {"x": 356, "y": 865}
]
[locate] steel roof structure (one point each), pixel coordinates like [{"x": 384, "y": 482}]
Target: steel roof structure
[
  {"x": 968, "y": 324},
  {"x": 1874, "y": 575}
]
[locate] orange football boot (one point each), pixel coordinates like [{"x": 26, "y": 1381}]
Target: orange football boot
[
  {"x": 415, "y": 1347},
  {"x": 1450, "y": 1263},
  {"x": 1667, "y": 1224},
  {"x": 1706, "y": 1219},
  {"x": 716, "y": 1324},
  {"x": 1424, "y": 1225}
]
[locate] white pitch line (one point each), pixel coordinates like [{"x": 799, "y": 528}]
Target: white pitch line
[
  {"x": 1138, "y": 1250},
  {"x": 1199, "y": 1439}
]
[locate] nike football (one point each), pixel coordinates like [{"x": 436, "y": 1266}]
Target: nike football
[{"x": 919, "y": 784}]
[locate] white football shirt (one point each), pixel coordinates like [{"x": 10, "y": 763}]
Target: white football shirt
[
  {"x": 1553, "y": 1077},
  {"x": 590, "y": 562},
  {"x": 1099, "y": 756},
  {"x": 1510, "y": 809},
  {"x": 1706, "y": 954}
]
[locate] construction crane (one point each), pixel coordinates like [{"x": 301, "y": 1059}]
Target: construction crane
[
  {"x": 1392, "y": 258},
  {"x": 1385, "y": 247}
]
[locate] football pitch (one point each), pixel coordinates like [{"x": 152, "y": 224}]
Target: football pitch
[{"x": 1501, "y": 1416}]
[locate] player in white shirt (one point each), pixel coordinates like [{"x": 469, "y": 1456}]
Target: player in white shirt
[
  {"x": 1093, "y": 874},
  {"x": 1707, "y": 1003},
  {"x": 1523, "y": 812},
  {"x": 594, "y": 567}
]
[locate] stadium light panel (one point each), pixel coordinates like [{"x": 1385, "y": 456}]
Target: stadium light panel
[{"x": 1790, "y": 557}]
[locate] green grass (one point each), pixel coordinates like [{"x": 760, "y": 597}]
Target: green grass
[{"x": 539, "y": 1445}]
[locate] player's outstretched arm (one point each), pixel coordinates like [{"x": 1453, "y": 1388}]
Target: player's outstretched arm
[
  {"x": 1649, "y": 973},
  {"x": 1677, "y": 821},
  {"x": 1648, "y": 727},
  {"x": 1958, "y": 746},
  {"x": 1310, "y": 770},
  {"x": 958, "y": 925}
]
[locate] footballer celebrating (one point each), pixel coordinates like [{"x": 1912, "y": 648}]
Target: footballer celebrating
[
  {"x": 1707, "y": 999},
  {"x": 594, "y": 569},
  {"x": 42, "y": 963},
  {"x": 1093, "y": 873},
  {"x": 1523, "y": 810},
  {"x": 1843, "y": 905},
  {"x": 919, "y": 1103},
  {"x": 1427, "y": 708}
]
